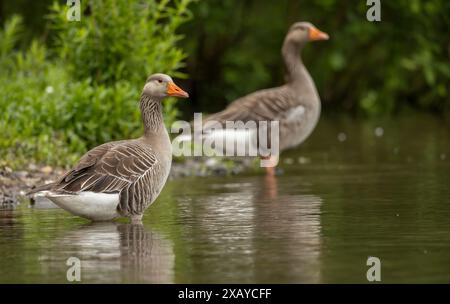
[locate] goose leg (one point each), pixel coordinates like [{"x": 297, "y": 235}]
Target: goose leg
[
  {"x": 272, "y": 162},
  {"x": 270, "y": 186},
  {"x": 270, "y": 171}
]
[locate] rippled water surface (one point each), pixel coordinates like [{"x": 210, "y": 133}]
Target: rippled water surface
[{"x": 353, "y": 190}]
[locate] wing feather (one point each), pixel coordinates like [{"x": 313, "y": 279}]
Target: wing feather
[
  {"x": 263, "y": 105},
  {"x": 118, "y": 167}
]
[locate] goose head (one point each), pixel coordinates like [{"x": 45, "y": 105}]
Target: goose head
[
  {"x": 301, "y": 32},
  {"x": 161, "y": 85}
]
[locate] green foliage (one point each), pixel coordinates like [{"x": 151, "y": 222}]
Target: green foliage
[
  {"x": 369, "y": 68},
  {"x": 121, "y": 40},
  {"x": 83, "y": 87},
  {"x": 8, "y": 39},
  {"x": 77, "y": 84}
]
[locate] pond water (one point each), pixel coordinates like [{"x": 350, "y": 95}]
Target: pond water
[{"x": 353, "y": 190}]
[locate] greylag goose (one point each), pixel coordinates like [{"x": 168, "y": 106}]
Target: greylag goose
[
  {"x": 121, "y": 178},
  {"x": 295, "y": 105}
]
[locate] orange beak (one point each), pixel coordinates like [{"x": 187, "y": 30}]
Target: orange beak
[
  {"x": 316, "y": 34},
  {"x": 174, "y": 90}
]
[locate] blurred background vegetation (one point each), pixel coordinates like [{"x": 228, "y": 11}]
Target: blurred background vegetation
[
  {"x": 366, "y": 68},
  {"x": 69, "y": 86}
]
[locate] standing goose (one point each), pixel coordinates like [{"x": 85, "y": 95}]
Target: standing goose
[
  {"x": 295, "y": 105},
  {"x": 121, "y": 178}
]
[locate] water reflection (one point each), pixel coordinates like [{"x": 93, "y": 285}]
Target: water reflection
[
  {"x": 289, "y": 222},
  {"x": 253, "y": 229},
  {"x": 336, "y": 204},
  {"x": 113, "y": 253}
]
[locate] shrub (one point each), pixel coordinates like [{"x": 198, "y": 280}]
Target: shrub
[{"x": 83, "y": 87}]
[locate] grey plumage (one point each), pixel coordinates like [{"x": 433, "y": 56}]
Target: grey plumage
[
  {"x": 135, "y": 169},
  {"x": 296, "y": 104}
]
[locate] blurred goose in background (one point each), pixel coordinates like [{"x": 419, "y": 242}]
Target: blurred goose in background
[
  {"x": 121, "y": 178},
  {"x": 295, "y": 105}
]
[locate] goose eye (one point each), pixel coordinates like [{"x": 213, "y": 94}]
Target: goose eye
[{"x": 159, "y": 80}]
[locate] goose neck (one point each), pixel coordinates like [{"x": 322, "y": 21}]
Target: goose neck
[
  {"x": 292, "y": 61},
  {"x": 152, "y": 117}
]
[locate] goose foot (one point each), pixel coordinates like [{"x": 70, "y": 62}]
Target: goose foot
[{"x": 136, "y": 219}]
